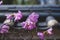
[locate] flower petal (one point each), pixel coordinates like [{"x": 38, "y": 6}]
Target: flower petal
[
  {"x": 4, "y": 29},
  {"x": 41, "y": 35},
  {"x": 18, "y": 15},
  {"x": 33, "y": 17},
  {"x": 1, "y": 2},
  {"x": 50, "y": 31}
]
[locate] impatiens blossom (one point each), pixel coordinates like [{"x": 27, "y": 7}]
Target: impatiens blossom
[
  {"x": 30, "y": 23},
  {"x": 10, "y": 21},
  {"x": 9, "y": 16},
  {"x": 5, "y": 26},
  {"x": 17, "y": 16},
  {"x": 4, "y": 29},
  {"x": 1, "y": 2},
  {"x": 33, "y": 17},
  {"x": 40, "y": 35},
  {"x": 49, "y": 31}
]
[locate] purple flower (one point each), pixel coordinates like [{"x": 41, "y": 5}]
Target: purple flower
[
  {"x": 49, "y": 31},
  {"x": 30, "y": 23},
  {"x": 1, "y": 2},
  {"x": 33, "y": 17},
  {"x": 9, "y": 16},
  {"x": 4, "y": 29},
  {"x": 17, "y": 16},
  {"x": 41, "y": 35}
]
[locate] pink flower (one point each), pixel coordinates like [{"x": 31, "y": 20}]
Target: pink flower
[
  {"x": 41, "y": 35},
  {"x": 30, "y": 23},
  {"x": 1, "y": 2},
  {"x": 4, "y": 29},
  {"x": 49, "y": 31},
  {"x": 17, "y": 16},
  {"x": 9, "y": 16},
  {"x": 33, "y": 17}
]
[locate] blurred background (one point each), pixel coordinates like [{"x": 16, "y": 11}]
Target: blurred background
[{"x": 32, "y": 2}]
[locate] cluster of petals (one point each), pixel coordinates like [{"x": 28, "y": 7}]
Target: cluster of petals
[
  {"x": 4, "y": 28},
  {"x": 17, "y": 16},
  {"x": 30, "y": 23}
]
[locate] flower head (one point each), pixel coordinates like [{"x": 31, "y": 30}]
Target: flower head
[
  {"x": 30, "y": 23},
  {"x": 33, "y": 17},
  {"x": 17, "y": 16},
  {"x": 41, "y": 35},
  {"x": 49, "y": 31},
  {"x": 4, "y": 29},
  {"x": 9, "y": 16}
]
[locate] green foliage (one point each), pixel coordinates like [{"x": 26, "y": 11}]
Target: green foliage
[{"x": 21, "y": 2}]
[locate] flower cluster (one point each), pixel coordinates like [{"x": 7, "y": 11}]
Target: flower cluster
[
  {"x": 41, "y": 34},
  {"x": 10, "y": 21},
  {"x": 33, "y": 17},
  {"x": 17, "y": 16},
  {"x": 30, "y": 23},
  {"x": 4, "y": 28},
  {"x": 49, "y": 31}
]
